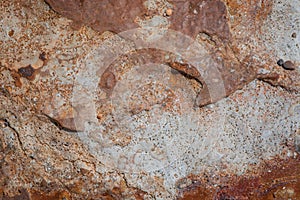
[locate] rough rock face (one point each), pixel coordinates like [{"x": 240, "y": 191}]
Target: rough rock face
[
  {"x": 104, "y": 15},
  {"x": 207, "y": 18},
  {"x": 109, "y": 99},
  {"x": 222, "y": 31},
  {"x": 194, "y": 17},
  {"x": 189, "y": 17}
]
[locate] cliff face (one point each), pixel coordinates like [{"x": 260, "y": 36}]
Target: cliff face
[{"x": 149, "y": 99}]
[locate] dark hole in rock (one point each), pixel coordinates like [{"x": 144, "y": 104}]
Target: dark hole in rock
[{"x": 26, "y": 72}]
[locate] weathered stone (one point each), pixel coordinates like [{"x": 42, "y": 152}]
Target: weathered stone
[
  {"x": 289, "y": 65},
  {"x": 204, "y": 16},
  {"x": 141, "y": 135},
  {"x": 103, "y": 15}
]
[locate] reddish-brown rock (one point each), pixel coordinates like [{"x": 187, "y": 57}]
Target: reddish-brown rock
[
  {"x": 103, "y": 15},
  {"x": 43, "y": 157}
]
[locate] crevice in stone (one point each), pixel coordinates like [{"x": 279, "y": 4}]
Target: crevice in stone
[{"x": 17, "y": 135}]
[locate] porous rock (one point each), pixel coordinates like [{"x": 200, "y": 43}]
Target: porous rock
[{"x": 144, "y": 137}]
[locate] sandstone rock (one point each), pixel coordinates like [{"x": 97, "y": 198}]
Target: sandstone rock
[{"x": 93, "y": 114}]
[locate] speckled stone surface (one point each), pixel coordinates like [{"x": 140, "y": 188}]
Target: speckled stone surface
[{"x": 99, "y": 115}]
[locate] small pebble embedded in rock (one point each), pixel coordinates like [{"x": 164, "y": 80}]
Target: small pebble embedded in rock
[
  {"x": 3, "y": 123},
  {"x": 26, "y": 72},
  {"x": 169, "y": 12},
  {"x": 289, "y": 65},
  {"x": 42, "y": 56},
  {"x": 280, "y": 62}
]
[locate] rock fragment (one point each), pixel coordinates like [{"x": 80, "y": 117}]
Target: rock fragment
[
  {"x": 26, "y": 72},
  {"x": 288, "y": 65},
  {"x": 280, "y": 62}
]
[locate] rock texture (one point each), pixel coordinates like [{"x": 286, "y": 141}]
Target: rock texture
[
  {"x": 102, "y": 15},
  {"x": 223, "y": 30},
  {"x": 149, "y": 99}
]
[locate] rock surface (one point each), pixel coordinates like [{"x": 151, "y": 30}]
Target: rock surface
[{"x": 148, "y": 104}]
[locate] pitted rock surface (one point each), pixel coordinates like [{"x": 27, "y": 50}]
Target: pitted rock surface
[
  {"x": 145, "y": 132},
  {"x": 207, "y": 19}
]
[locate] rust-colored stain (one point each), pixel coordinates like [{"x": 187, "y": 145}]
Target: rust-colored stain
[
  {"x": 54, "y": 195},
  {"x": 276, "y": 179},
  {"x": 102, "y": 15},
  {"x": 258, "y": 11},
  {"x": 107, "y": 81},
  {"x": 189, "y": 17},
  {"x": 196, "y": 16},
  {"x": 23, "y": 195}
]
